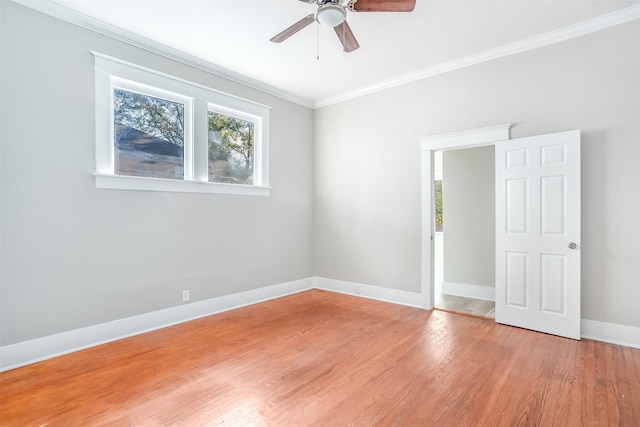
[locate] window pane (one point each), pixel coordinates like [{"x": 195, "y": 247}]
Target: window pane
[
  {"x": 437, "y": 186},
  {"x": 148, "y": 135},
  {"x": 230, "y": 149}
]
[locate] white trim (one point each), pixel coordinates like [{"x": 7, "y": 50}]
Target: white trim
[
  {"x": 198, "y": 100},
  {"x": 65, "y": 14},
  {"x": 159, "y": 81},
  {"x": 428, "y": 145},
  {"x": 469, "y": 290},
  {"x": 394, "y": 296},
  {"x": 123, "y": 182},
  {"x": 467, "y": 138},
  {"x": 27, "y": 352},
  {"x": 576, "y": 30},
  {"x": 427, "y": 256},
  {"x": 556, "y": 36},
  {"x": 612, "y": 333},
  {"x": 35, "y": 350}
]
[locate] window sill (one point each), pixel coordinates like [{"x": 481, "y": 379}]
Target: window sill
[{"x": 121, "y": 182}]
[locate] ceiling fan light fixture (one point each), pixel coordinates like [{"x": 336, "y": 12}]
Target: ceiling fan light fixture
[
  {"x": 331, "y": 16},
  {"x": 333, "y": 13}
]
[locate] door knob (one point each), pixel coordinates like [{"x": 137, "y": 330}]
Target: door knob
[{"x": 572, "y": 245}]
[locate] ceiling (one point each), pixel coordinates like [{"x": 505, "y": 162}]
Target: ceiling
[{"x": 234, "y": 34}]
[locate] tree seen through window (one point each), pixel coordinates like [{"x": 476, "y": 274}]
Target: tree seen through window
[{"x": 231, "y": 149}]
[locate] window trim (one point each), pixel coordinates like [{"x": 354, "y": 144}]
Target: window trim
[
  {"x": 110, "y": 72},
  {"x": 257, "y": 136},
  {"x": 187, "y": 102}
]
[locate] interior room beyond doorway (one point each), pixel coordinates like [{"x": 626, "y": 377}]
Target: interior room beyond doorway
[{"x": 464, "y": 192}]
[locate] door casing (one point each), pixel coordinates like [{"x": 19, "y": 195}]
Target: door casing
[
  {"x": 479, "y": 137},
  {"x": 563, "y": 306}
]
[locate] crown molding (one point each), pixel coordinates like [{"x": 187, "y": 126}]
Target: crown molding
[
  {"x": 466, "y": 139},
  {"x": 556, "y": 36},
  {"x": 65, "y": 14}
]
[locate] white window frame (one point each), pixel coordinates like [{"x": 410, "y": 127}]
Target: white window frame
[
  {"x": 198, "y": 100},
  {"x": 127, "y": 85},
  {"x": 258, "y": 137}
]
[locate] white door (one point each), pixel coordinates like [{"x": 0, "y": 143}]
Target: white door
[{"x": 538, "y": 233}]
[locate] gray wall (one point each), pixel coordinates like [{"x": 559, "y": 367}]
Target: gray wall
[
  {"x": 367, "y": 226},
  {"x": 73, "y": 255},
  {"x": 468, "y": 200}
]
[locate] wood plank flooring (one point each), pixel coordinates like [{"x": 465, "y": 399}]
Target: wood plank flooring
[
  {"x": 324, "y": 359},
  {"x": 458, "y": 304}
]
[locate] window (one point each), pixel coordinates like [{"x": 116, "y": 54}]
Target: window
[
  {"x": 230, "y": 148},
  {"x": 148, "y": 135},
  {"x": 437, "y": 193},
  {"x": 160, "y": 133}
]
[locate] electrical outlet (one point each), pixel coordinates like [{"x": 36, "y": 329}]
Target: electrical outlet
[{"x": 186, "y": 295}]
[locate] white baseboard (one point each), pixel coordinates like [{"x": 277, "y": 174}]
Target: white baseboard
[
  {"x": 27, "y": 352},
  {"x": 395, "y": 296},
  {"x": 613, "y": 333},
  {"x": 469, "y": 290},
  {"x": 38, "y": 349}
]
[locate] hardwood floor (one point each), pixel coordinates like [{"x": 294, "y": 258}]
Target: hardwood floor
[
  {"x": 324, "y": 359},
  {"x": 458, "y": 304}
]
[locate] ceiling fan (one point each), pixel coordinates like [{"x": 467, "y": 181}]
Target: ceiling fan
[{"x": 333, "y": 13}]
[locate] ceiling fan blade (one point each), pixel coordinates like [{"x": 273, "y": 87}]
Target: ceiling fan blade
[
  {"x": 278, "y": 38},
  {"x": 382, "y": 5},
  {"x": 346, "y": 37}
]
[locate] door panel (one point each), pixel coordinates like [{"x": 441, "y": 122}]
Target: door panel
[
  {"x": 552, "y": 205},
  {"x": 552, "y": 283},
  {"x": 516, "y": 206},
  {"x": 516, "y": 279},
  {"x": 537, "y": 217}
]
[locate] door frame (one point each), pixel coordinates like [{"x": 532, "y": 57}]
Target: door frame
[{"x": 471, "y": 138}]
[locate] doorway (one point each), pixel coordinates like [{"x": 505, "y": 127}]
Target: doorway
[
  {"x": 464, "y": 214},
  {"x": 537, "y": 227},
  {"x": 429, "y": 146}
]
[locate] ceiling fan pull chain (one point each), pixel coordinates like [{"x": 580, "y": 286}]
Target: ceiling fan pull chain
[{"x": 318, "y": 42}]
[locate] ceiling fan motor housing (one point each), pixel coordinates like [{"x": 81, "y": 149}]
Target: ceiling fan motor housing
[{"x": 331, "y": 15}]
